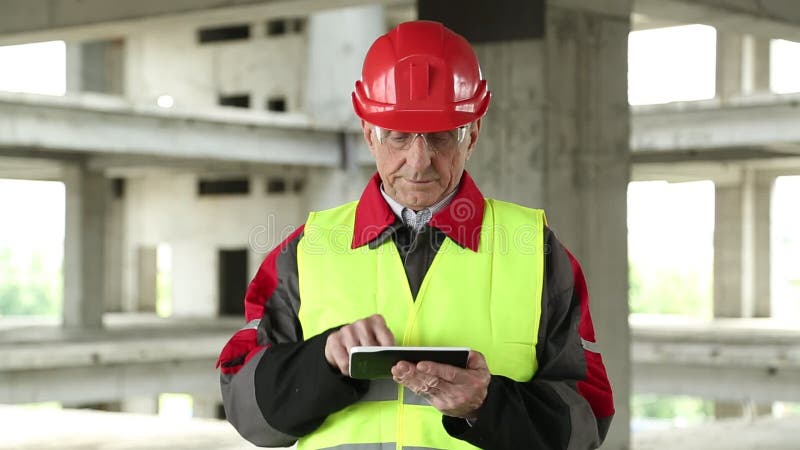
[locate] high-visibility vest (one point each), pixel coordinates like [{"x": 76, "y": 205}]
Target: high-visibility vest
[{"x": 489, "y": 300}]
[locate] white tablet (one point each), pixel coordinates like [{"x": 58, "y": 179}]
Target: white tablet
[{"x": 368, "y": 363}]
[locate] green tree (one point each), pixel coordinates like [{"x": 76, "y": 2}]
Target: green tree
[{"x": 32, "y": 289}]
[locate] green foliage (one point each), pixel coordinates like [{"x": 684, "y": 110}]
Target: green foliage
[
  {"x": 30, "y": 287},
  {"x": 683, "y": 408},
  {"x": 669, "y": 290}
]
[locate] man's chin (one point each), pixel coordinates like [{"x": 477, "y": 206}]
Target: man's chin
[{"x": 419, "y": 201}]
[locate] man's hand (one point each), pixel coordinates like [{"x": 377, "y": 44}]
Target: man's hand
[
  {"x": 452, "y": 390},
  {"x": 368, "y": 331}
]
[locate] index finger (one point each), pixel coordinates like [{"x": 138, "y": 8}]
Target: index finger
[
  {"x": 439, "y": 370},
  {"x": 381, "y": 332}
]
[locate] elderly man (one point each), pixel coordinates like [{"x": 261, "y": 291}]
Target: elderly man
[{"x": 422, "y": 259}]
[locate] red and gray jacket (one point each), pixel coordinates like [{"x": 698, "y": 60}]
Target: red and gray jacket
[{"x": 277, "y": 385}]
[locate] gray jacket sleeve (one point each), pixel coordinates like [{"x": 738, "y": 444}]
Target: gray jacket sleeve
[
  {"x": 277, "y": 385},
  {"x": 272, "y": 302}
]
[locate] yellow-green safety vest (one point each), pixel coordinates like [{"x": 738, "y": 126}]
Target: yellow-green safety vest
[{"x": 489, "y": 300}]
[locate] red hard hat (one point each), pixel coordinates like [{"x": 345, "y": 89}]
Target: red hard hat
[{"x": 421, "y": 77}]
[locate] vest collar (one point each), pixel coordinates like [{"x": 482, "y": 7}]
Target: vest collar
[{"x": 460, "y": 220}]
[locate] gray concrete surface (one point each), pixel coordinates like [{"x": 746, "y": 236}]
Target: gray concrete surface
[
  {"x": 766, "y": 433},
  {"x": 43, "y": 429}
]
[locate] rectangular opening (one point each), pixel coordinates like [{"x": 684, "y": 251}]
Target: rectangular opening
[
  {"x": 286, "y": 25},
  {"x": 232, "y": 281},
  {"x": 298, "y": 186},
  {"x": 276, "y": 185},
  {"x": 297, "y": 24},
  {"x": 223, "y": 34},
  {"x": 276, "y": 104},
  {"x": 223, "y": 187},
  {"x": 235, "y": 100},
  {"x": 118, "y": 188},
  {"x": 276, "y": 27}
]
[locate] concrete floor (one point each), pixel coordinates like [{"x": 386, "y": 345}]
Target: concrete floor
[
  {"x": 766, "y": 433},
  {"x": 40, "y": 429}
]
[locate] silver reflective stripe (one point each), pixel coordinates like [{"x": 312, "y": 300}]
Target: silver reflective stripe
[
  {"x": 252, "y": 325},
  {"x": 590, "y": 346},
  {"x": 381, "y": 390},
  {"x": 375, "y": 446},
  {"x": 410, "y": 398}
]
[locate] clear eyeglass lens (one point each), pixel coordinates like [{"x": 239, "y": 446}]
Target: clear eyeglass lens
[{"x": 437, "y": 140}]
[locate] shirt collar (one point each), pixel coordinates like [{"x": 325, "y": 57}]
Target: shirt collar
[
  {"x": 460, "y": 218},
  {"x": 397, "y": 208}
]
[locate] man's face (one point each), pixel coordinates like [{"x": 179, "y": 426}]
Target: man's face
[{"x": 422, "y": 174}]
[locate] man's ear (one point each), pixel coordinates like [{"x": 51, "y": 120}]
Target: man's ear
[
  {"x": 366, "y": 130},
  {"x": 474, "y": 132}
]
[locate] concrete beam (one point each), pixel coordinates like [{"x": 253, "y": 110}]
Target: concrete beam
[
  {"x": 134, "y": 356},
  {"x": 723, "y": 360},
  {"x": 98, "y": 125},
  {"x": 766, "y": 123},
  {"x": 40, "y": 20},
  {"x": 768, "y": 18},
  {"x": 29, "y": 169}
]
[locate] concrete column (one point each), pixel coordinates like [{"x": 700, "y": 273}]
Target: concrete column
[
  {"x": 74, "y": 62},
  {"x": 742, "y": 247},
  {"x": 728, "y": 225},
  {"x": 84, "y": 259},
  {"x": 556, "y": 137},
  {"x": 763, "y": 185},
  {"x": 755, "y": 64},
  {"x": 338, "y": 39},
  {"x": 147, "y": 276},
  {"x": 729, "y": 65},
  {"x": 114, "y": 250}
]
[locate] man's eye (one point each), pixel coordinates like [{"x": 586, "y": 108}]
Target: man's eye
[
  {"x": 398, "y": 137},
  {"x": 438, "y": 139}
]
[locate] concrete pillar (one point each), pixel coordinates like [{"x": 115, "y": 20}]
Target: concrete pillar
[
  {"x": 147, "y": 276},
  {"x": 556, "y": 137},
  {"x": 729, "y": 65},
  {"x": 115, "y": 247},
  {"x": 742, "y": 262},
  {"x": 742, "y": 247},
  {"x": 74, "y": 63},
  {"x": 763, "y": 185},
  {"x": 755, "y": 64},
  {"x": 338, "y": 39},
  {"x": 84, "y": 259},
  {"x": 742, "y": 65}
]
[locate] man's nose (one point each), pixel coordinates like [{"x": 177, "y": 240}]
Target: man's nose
[{"x": 418, "y": 155}]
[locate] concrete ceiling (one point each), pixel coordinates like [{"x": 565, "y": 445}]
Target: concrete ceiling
[
  {"x": 767, "y": 18},
  {"x": 37, "y": 20},
  {"x": 23, "y": 21}
]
